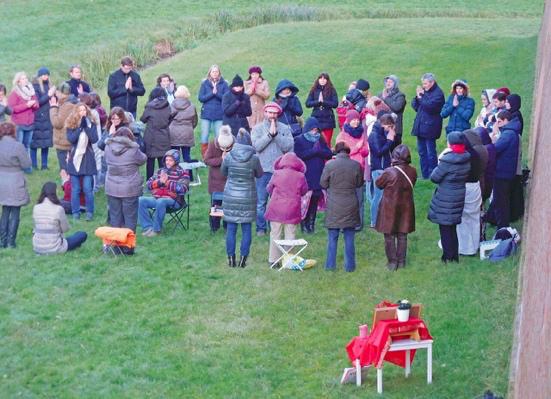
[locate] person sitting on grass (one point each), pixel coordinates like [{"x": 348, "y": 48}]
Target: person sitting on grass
[
  {"x": 50, "y": 224},
  {"x": 168, "y": 186}
]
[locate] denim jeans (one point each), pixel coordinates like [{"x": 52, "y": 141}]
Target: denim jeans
[
  {"x": 427, "y": 155},
  {"x": 231, "y": 238},
  {"x": 88, "y": 188},
  {"x": 160, "y": 205},
  {"x": 349, "y": 249},
  {"x": 44, "y": 157},
  {"x": 262, "y": 201},
  {"x": 206, "y": 126},
  {"x": 376, "y": 195},
  {"x": 62, "y": 159},
  {"x": 75, "y": 240},
  {"x": 25, "y": 135}
]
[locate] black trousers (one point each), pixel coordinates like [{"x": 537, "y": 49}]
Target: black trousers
[
  {"x": 150, "y": 166},
  {"x": 500, "y": 208},
  {"x": 450, "y": 244}
]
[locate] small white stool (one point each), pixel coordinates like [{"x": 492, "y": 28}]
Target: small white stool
[{"x": 286, "y": 246}]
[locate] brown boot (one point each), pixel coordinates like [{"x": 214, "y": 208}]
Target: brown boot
[
  {"x": 401, "y": 249},
  {"x": 390, "y": 250},
  {"x": 203, "y": 149}
]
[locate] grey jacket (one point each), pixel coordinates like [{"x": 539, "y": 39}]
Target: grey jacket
[
  {"x": 184, "y": 120},
  {"x": 123, "y": 158},
  {"x": 270, "y": 148},
  {"x": 50, "y": 223},
  {"x": 13, "y": 160},
  {"x": 240, "y": 166},
  {"x": 396, "y": 101}
]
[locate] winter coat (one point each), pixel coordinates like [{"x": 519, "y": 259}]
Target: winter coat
[
  {"x": 479, "y": 157},
  {"x": 290, "y": 105},
  {"x": 212, "y": 103},
  {"x": 258, "y": 99},
  {"x": 507, "y": 148},
  {"x": 270, "y": 148},
  {"x": 119, "y": 95},
  {"x": 515, "y": 103},
  {"x": 359, "y": 147},
  {"x": 323, "y": 112},
  {"x": 20, "y": 113},
  {"x": 176, "y": 186},
  {"x": 50, "y": 222},
  {"x": 43, "y": 130},
  {"x": 74, "y": 83},
  {"x": 446, "y": 206},
  {"x": 184, "y": 120},
  {"x": 237, "y": 107},
  {"x": 397, "y": 209},
  {"x": 314, "y": 155},
  {"x": 123, "y": 158},
  {"x": 14, "y": 158},
  {"x": 380, "y": 148},
  {"x": 4, "y": 111},
  {"x": 460, "y": 116},
  {"x": 396, "y": 101},
  {"x": 428, "y": 122},
  {"x": 341, "y": 177},
  {"x": 356, "y": 100},
  {"x": 240, "y": 166},
  {"x": 286, "y": 188},
  {"x": 88, "y": 164},
  {"x": 213, "y": 159},
  {"x": 58, "y": 116},
  {"x": 156, "y": 116}
]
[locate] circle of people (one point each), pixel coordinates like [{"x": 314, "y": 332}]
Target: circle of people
[{"x": 266, "y": 165}]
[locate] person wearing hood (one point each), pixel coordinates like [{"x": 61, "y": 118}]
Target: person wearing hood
[
  {"x": 487, "y": 106},
  {"x": 241, "y": 166},
  {"x": 50, "y": 225},
  {"x": 42, "y": 129},
  {"x": 286, "y": 98},
  {"x": 78, "y": 86},
  {"x": 395, "y": 99},
  {"x": 507, "y": 142},
  {"x": 468, "y": 231},
  {"x": 396, "y": 214},
  {"x": 427, "y": 126},
  {"x": 23, "y": 102},
  {"x": 168, "y": 187},
  {"x": 258, "y": 90},
  {"x": 311, "y": 147},
  {"x": 123, "y": 182},
  {"x": 322, "y": 98},
  {"x": 342, "y": 177},
  {"x": 459, "y": 107},
  {"x": 212, "y": 90},
  {"x": 513, "y": 104},
  {"x": 286, "y": 188},
  {"x": 156, "y": 116},
  {"x": 183, "y": 118},
  {"x": 236, "y": 105},
  {"x": 61, "y": 106},
  {"x": 125, "y": 86},
  {"x": 270, "y": 139},
  {"x": 447, "y": 202}
]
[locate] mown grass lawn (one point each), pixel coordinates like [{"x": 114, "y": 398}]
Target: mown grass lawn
[{"x": 175, "y": 321}]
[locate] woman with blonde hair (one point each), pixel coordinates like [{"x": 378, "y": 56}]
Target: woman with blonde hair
[
  {"x": 183, "y": 117},
  {"x": 82, "y": 133},
  {"x": 22, "y": 101}
]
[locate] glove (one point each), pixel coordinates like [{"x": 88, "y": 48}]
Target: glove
[{"x": 83, "y": 123}]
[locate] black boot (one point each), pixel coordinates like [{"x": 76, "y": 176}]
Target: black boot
[
  {"x": 312, "y": 225},
  {"x": 231, "y": 261},
  {"x": 302, "y": 226},
  {"x": 243, "y": 261}
]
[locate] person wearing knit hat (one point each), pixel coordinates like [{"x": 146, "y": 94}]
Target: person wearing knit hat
[
  {"x": 43, "y": 132},
  {"x": 362, "y": 85},
  {"x": 225, "y": 138},
  {"x": 257, "y": 88},
  {"x": 43, "y": 71},
  {"x": 448, "y": 200},
  {"x": 272, "y": 107},
  {"x": 395, "y": 100},
  {"x": 504, "y": 90},
  {"x": 459, "y": 107},
  {"x": 236, "y": 105}
]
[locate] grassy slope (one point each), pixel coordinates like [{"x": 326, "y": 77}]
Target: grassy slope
[{"x": 174, "y": 321}]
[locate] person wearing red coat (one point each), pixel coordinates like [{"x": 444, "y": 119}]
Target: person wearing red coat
[
  {"x": 286, "y": 187},
  {"x": 23, "y": 102}
]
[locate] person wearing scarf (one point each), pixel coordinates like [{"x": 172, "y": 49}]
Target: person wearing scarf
[
  {"x": 447, "y": 202},
  {"x": 459, "y": 107},
  {"x": 237, "y": 106},
  {"x": 23, "y": 102},
  {"x": 487, "y": 106}
]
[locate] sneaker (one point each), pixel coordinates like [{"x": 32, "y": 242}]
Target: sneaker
[
  {"x": 153, "y": 233},
  {"x": 146, "y": 232}
]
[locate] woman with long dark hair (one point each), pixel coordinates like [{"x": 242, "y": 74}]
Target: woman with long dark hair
[{"x": 323, "y": 98}]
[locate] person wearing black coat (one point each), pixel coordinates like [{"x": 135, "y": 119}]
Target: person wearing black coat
[
  {"x": 236, "y": 105},
  {"x": 395, "y": 99},
  {"x": 427, "y": 126},
  {"x": 513, "y": 104},
  {"x": 447, "y": 202},
  {"x": 323, "y": 98},
  {"x": 286, "y": 98},
  {"x": 125, "y": 86},
  {"x": 43, "y": 130},
  {"x": 78, "y": 85}
]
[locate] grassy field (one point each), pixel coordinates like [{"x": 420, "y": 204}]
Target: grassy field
[{"x": 174, "y": 321}]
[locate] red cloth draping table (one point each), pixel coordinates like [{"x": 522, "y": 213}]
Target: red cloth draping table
[{"x": 373, "y": 350}]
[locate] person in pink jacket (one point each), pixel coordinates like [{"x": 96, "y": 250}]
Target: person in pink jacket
[
  {"x": 286, "y": 187},
  {"x": 23, "y": 102},
  {"x": 355, "y": 137}
]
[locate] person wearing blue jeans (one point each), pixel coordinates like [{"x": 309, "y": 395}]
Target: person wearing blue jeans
[
  {"x": 428, "y": 158},
  {"x": 44, "y": 157},
  {"x": 88, "y": 188},
  {"x": 349, "y": 249},
  {"x": 207, "y": 126},
  {"x": 375, "y": 195},
  {"x": 231, "y": 238},
  {"x": 25, "y": 135},
  {"x": 262, "y": 201},
  {"x": 160, "y": 205},
  {"x": 75, "y": 240}
]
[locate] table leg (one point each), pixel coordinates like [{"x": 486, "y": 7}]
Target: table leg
[
  {"x": 380, "y": 380},
  {"x": 429, "y": 364},
  {"x": 358, "y": 373},
  {"x": 408, "y": 363}
]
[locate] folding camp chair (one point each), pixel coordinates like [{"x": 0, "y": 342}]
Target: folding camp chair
[
  {"x": 286, "y": 247},
  {"x": 179, "y": 217}
]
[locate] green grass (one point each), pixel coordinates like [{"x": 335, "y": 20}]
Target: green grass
[{"x": 174, "y": 321}]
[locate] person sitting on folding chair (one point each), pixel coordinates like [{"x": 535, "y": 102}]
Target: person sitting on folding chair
[{"x": 168, "y": 187}]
